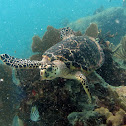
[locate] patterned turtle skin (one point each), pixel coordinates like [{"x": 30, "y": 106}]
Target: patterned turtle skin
[{"x": 74, "y": 57}]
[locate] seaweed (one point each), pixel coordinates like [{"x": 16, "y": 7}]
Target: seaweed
[
  {"x": 50, "y": 38},
  {"x": 92, "y": 30},
  {"x": 120, "y": 50}
]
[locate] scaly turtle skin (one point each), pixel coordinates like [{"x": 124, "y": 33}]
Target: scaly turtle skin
[{"x": 73, "y": 58}]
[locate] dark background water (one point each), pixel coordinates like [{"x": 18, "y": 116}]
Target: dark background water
[{"x": 21, "y": 19}]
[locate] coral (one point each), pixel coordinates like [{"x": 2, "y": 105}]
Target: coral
[
  {"x": 51, "y": 98},
  {"x": 92, "y": 30},
  {"x": 119, "y": 95},
  {"x": 85, "y": 118},
  {"x": 104, "y": 111},
  {"x": 116, "y": 104},
  {"x": 50, "y": 38},
  {"x": 120, "y": 50},
  {"x": 115, "y": 120}
]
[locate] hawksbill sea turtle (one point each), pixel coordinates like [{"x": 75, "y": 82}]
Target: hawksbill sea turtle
[{"x": 75, "y": 57}]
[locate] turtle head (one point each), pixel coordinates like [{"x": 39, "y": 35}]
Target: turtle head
[
  {"x": 49, "y": 71},
  {"x": 66, "y": 32}
]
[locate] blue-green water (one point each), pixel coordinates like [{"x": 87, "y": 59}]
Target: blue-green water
[{"x": 21, "y": 19}]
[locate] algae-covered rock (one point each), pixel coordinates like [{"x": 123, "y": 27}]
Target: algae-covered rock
[
  {"x": 112, "y": 19},
  {"x": 104, "y": 111},
  {"x": 98, "y": 10},
  {"x": 111, "y": 72},
  {"x": 88, "y": 118},
  {"x": 119, "y": 95},
  {"x": 7, "y": 91}
]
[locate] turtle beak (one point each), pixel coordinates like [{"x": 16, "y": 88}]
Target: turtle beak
[{"x": 42, "y": 74}]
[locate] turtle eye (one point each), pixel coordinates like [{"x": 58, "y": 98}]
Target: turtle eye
[{"x": 49, "y": 69}]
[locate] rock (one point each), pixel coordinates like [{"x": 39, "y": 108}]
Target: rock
[
  {"x": 7, "y": 95},
  {"x": 112, "y": 19},
  {"x": 111, "y": 71},
  {"x": 98, "y": 10},
  {"x": 84, "y": 118},
  {"x": 119, "y": 95}
]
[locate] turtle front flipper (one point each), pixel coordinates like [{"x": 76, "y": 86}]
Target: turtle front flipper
[
  {"x": 82, "y": 79},
  {"x": 19, "y": 63}
]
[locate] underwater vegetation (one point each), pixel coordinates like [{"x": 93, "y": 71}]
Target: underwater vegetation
[
  {"x": 120, "y": 50},
  {"x": 93, "y": 27},
  {"x": 50, "y": 38}
]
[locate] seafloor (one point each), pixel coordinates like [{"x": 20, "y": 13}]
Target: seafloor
[{"x": 63, "y": 102}]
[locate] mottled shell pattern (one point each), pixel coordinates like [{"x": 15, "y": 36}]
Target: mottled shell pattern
[{"x": 78, "y": 53}]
